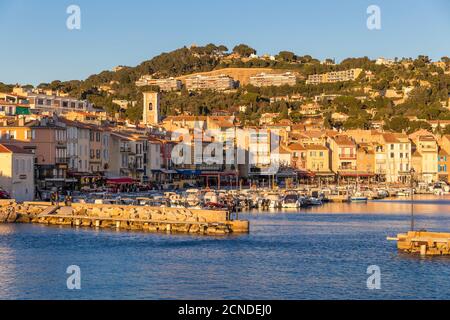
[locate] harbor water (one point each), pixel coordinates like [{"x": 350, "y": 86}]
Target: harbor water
[{"x": 318, "y": 253}]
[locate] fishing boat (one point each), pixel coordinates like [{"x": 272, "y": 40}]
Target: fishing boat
[{"x": 358, "y": 197}]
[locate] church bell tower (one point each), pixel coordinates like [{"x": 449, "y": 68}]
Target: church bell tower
[{"x": 151, "y": 108}]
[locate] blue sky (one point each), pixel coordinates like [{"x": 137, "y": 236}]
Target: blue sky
[{"x": 37, "y": 46}]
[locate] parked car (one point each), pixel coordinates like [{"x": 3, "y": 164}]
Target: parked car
[{"x": 4, "y": 194}]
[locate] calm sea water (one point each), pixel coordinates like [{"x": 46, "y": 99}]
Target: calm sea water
[{"x": 321, "y": 253}]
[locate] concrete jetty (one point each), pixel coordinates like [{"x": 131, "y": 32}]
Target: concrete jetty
[
  {"x": 156, "y": 219},
  {"x": 423, "y": 243}
]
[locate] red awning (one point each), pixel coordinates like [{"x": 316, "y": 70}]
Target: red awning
[
  {"x": 356, "y": 174},
  {"x": 216, "y": 173},
  {"x": 120, "y": 181}
]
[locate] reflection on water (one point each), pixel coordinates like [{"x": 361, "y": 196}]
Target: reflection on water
[{"x": 319, "y": 253}]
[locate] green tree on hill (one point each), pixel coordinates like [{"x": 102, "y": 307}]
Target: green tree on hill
[{"x": 244, "y": 50}]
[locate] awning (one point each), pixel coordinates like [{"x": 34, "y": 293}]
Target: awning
[
  {"x": 22, "y": 111},
  {"x": 218, "y": 173},
  {"x": 190, "y": 172},
  {"x": 355, "y": 174},
  {"x": 305, "y": 173},
  {"x": 166, "y": 171},
  {"x": 124, "y": 180}
]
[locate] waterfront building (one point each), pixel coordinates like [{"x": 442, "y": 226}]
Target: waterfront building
[
  {"x": 397, "y": 150},
  {"x": 220, "y": 82},
  {"x": 443, "y": 166},
  {"x": 298, "y": 156},
  {"x": 425, "y": 152},
  {"x": 167, "y": 84},
  {"x": 273, "y": 79},
  {"x": 343, "y": 155},
  {"x": 46, "y": 138},
  {"x": 366, "y": 158},
  {"x": 17, "y": 172},
  {"x": 334, "y": 76},
  {"x": 317, "y": 158},
  {"x": 78, "y": 146}
]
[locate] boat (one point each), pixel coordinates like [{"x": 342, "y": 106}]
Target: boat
[
  {"x": 291, "y": 201},
  {"x": 274, "y": 201},
  {"x": 313, "y": 201},
  {"x": 440, "y": 188},
  {"x": 358, "y": 197}
]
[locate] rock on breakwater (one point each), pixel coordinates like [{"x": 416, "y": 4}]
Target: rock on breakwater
[{"x": 214, "y": 222}]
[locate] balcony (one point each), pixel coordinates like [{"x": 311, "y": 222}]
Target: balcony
[
  {"x": 347, "y": 156},
  {"x": 125, "y": 149},
  {"x": 62, "y": 160},
  {"x": 347, "y": 168}
]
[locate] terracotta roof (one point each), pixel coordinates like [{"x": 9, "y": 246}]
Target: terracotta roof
[
  {"x": 296, "y": 147},
  {"x": 315, "y": 147},
  {"x": 9, "y": 148},
  {"x": 343, "y": 140}
]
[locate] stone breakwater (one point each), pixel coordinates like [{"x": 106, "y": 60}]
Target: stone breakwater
[{"x": 156, "y": 219}]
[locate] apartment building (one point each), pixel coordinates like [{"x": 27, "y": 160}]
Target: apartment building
[
  {"x": 425, "y": 157},
  {"x": 335, "y": 76},
  {"x": 273, "y": 79},
  {"x": 46, "y": 138},
  {"x": 397, "y": 150},
  {"x": 17, "y": 172},
  {"x": 343, "y": 154},
  {"x": 13, "y": 109},
  {"x": 317, "y": 158},
  {"x": 220, "y": 82},
  {"x": 443, "y": 166},
  {"x": 52, "y": 102},
  {"x": 78, "y": 139},
  {"x": 167, "y": 84}
]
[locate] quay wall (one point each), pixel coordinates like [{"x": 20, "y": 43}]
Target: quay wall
[{"x": 123, "y": 217}]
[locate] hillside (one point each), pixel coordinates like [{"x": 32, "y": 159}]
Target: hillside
[{"x": 393, "y": 92}]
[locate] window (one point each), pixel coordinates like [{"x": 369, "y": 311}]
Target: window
[
  {"x": 392, "y": 155},
  {"x": 401, "y": 155},
  {"x": 48, "y": 102},
  {"x": 97, "y": 154},
  {"x": 65, "y": 104},
  {"x": 392, "y": 147},
  {"x": 72, "y": 105}
]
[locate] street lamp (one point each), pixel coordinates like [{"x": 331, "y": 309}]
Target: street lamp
[{"x": 412, "y": 171}]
